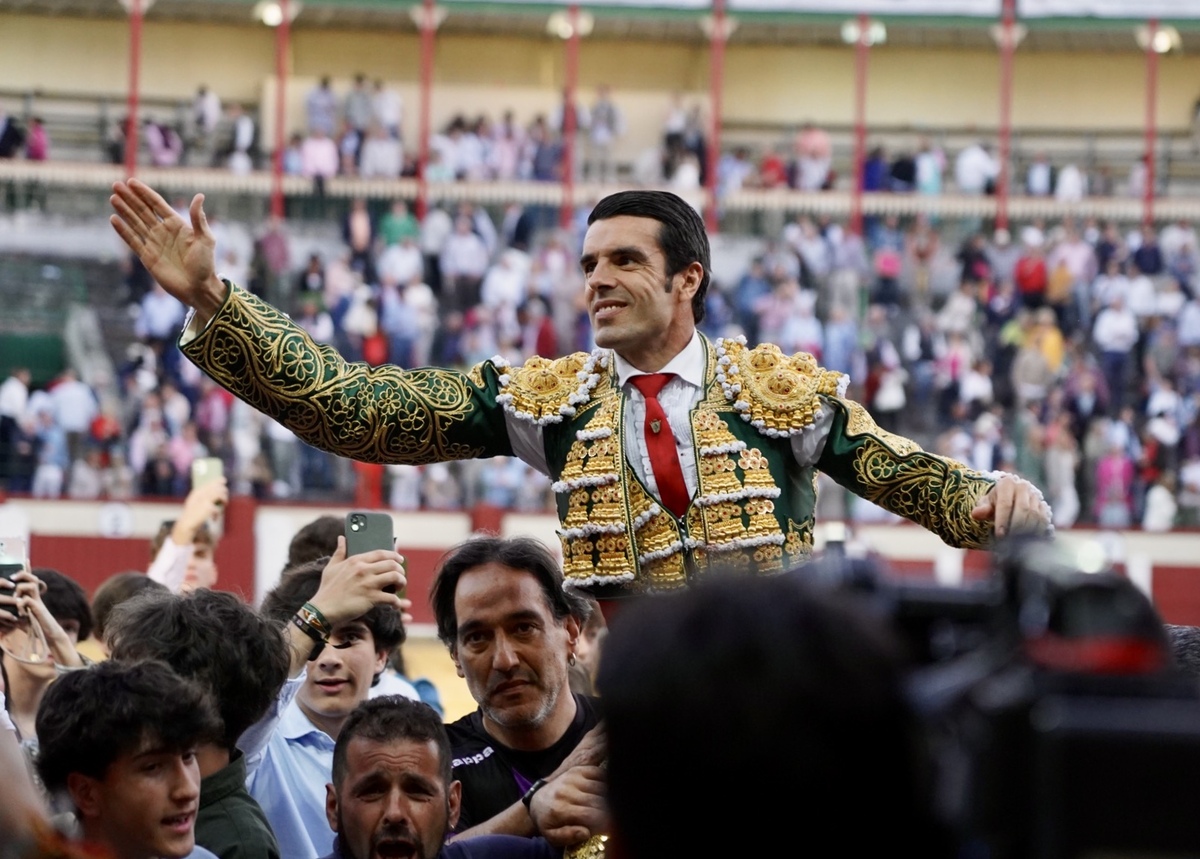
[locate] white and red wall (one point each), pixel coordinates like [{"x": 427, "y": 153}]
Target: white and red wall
[{"x": 91, "y": 541}]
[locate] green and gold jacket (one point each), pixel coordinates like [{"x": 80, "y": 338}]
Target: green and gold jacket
[{"x": 753, "y": 508}]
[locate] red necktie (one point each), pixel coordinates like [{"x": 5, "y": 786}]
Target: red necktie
[{"x": 660, "y": 444}]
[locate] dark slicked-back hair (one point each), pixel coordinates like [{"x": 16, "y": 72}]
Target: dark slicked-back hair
[
  {"x": 317, "y": 539},
  {"x": 211, "y": 637},
  {"x": 299, "y": 584},
  {"x": 738, "y": 680},
  {"x": 389, "y": 718},
  {"x": 116, "y": 590},
  {"x": 65, "y": 599},
  {"x": 681, "y": 236},
  {"x": 90, "y": 717},
  {"x": 520, "y": 553}
]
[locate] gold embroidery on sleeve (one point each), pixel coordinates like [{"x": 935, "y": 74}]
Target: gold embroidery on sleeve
[
  {"x": 859, "y": 422},
  {"x": 933, "y": 491},
  {"x": 382, "y": 414}
]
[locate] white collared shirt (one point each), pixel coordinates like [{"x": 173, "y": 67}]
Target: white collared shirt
[{"x": 677, "y": 398}]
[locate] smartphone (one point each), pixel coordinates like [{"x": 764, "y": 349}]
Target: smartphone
[
  {"x": 14, "y": 558},
  {"x": 367, "y": 530},
  {"x": 206, "y": 470}
]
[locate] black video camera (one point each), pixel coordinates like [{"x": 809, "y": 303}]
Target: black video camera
[{"x": 1058, "y": 723}]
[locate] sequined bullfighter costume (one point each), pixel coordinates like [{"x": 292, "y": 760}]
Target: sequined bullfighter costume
[{"x": 755, "y": 502}]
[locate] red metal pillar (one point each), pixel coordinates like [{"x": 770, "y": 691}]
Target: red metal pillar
[
  {"x": 132, "y": 137},
  {"x": 283, "y": 35},
  {"x": 716, "y": 84},
  {"x": 566, "y": 213},
  {"x": 861, "y": 57},
  {"x": 1008, "y": 46},
  {"x": 1151, "y": 123},
  {"x": 428, "y": 27}
]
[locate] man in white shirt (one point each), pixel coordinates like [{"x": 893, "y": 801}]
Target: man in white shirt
[
  {"x": 388, "y": 108},
  {"x": 14, "y": 399},
  {"x": 607, "y": 126},
  {"x": 975, "y": 169},
  {"x": 1115, "y": 334},
  {"x": 1039, "y": 180},
  {"x": 75, "y": 406},
  {"x": 464, "y": 262}
]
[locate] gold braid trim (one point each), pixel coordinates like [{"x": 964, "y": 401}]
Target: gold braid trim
[
  {"x": 859, "y": 422},
  {"x": 933, "y": 491},
  {"x": 371, "y": 414},
  {"x": 735, "y": 500},
  {"x": 778, "y": 394},
  {"x": 545, "y": 391},
  {"x": 593, "y": 848},
  {"x": 597, "y": 546}
]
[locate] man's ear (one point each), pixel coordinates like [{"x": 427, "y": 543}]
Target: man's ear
[
  {"x": 381, "y": 661},
  {"x": 331, "y": 807},
  {"x": 454, "y": 658},
  {"x": 454, "y": 803},
  {"x": 572, "y": 626},
  {"x": 85, "y": 793},
  {"x": 690, "y": 279}
]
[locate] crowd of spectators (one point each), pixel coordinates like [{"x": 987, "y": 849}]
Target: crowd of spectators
[{"x": 1069, "y": 354}]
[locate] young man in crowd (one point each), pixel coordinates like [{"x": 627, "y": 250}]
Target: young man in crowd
[
  {"x": 392, "y": 792},
  {"x": 343, "y": 618},
  {"x": 318, "y": 538},
  {"x": 184, "y": 547},
  {"x": 112, "y": 592},
  {"x": 242, "y": 659},
  {"x": 119, "y": 741},
  {"x": 41, "y": 603},
  {"x": 529, "y": 757}
]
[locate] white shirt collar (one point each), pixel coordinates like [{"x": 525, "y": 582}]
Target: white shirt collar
[{"x": 688, "y": 365}]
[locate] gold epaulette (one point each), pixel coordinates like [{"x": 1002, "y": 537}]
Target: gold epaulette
[
  {"x": 777, "y": 394},
  {"x": 544, "y": 391}
]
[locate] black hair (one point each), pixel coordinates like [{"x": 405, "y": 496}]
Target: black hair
[
  {"x": 211, "y": 637},
  {"x": 740, "y": 679},
  {"x": 681, "y": 234},
  {"x": 115, "y": 590},
  {"x": 90, "y": 717},
  {"x": 389, "y": 718},
  {"x": 1185, "y": 647},
  {"x": 65, "y": 599},
  {"x": 299, "y": 584},
  {"x": 317, "y": 539},
  {"x": 519, "y": 553}
]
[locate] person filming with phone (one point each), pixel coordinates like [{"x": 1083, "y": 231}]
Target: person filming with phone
[
  {"x": 43, "y": 616},
  {"x": 185, "y": 547},
  {"x": 343, "y": 616}
]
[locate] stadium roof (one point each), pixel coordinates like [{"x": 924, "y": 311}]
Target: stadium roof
[{"x": 1091, "y": 25}]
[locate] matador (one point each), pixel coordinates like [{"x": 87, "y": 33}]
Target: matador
[{"x": 752, "y": 426}]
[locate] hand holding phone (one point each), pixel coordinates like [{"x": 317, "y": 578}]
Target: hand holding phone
[
  {"x": 206, "y": 469},
  {"x": 14, "y": 558},
  {"x": 368, "y": 530}
]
